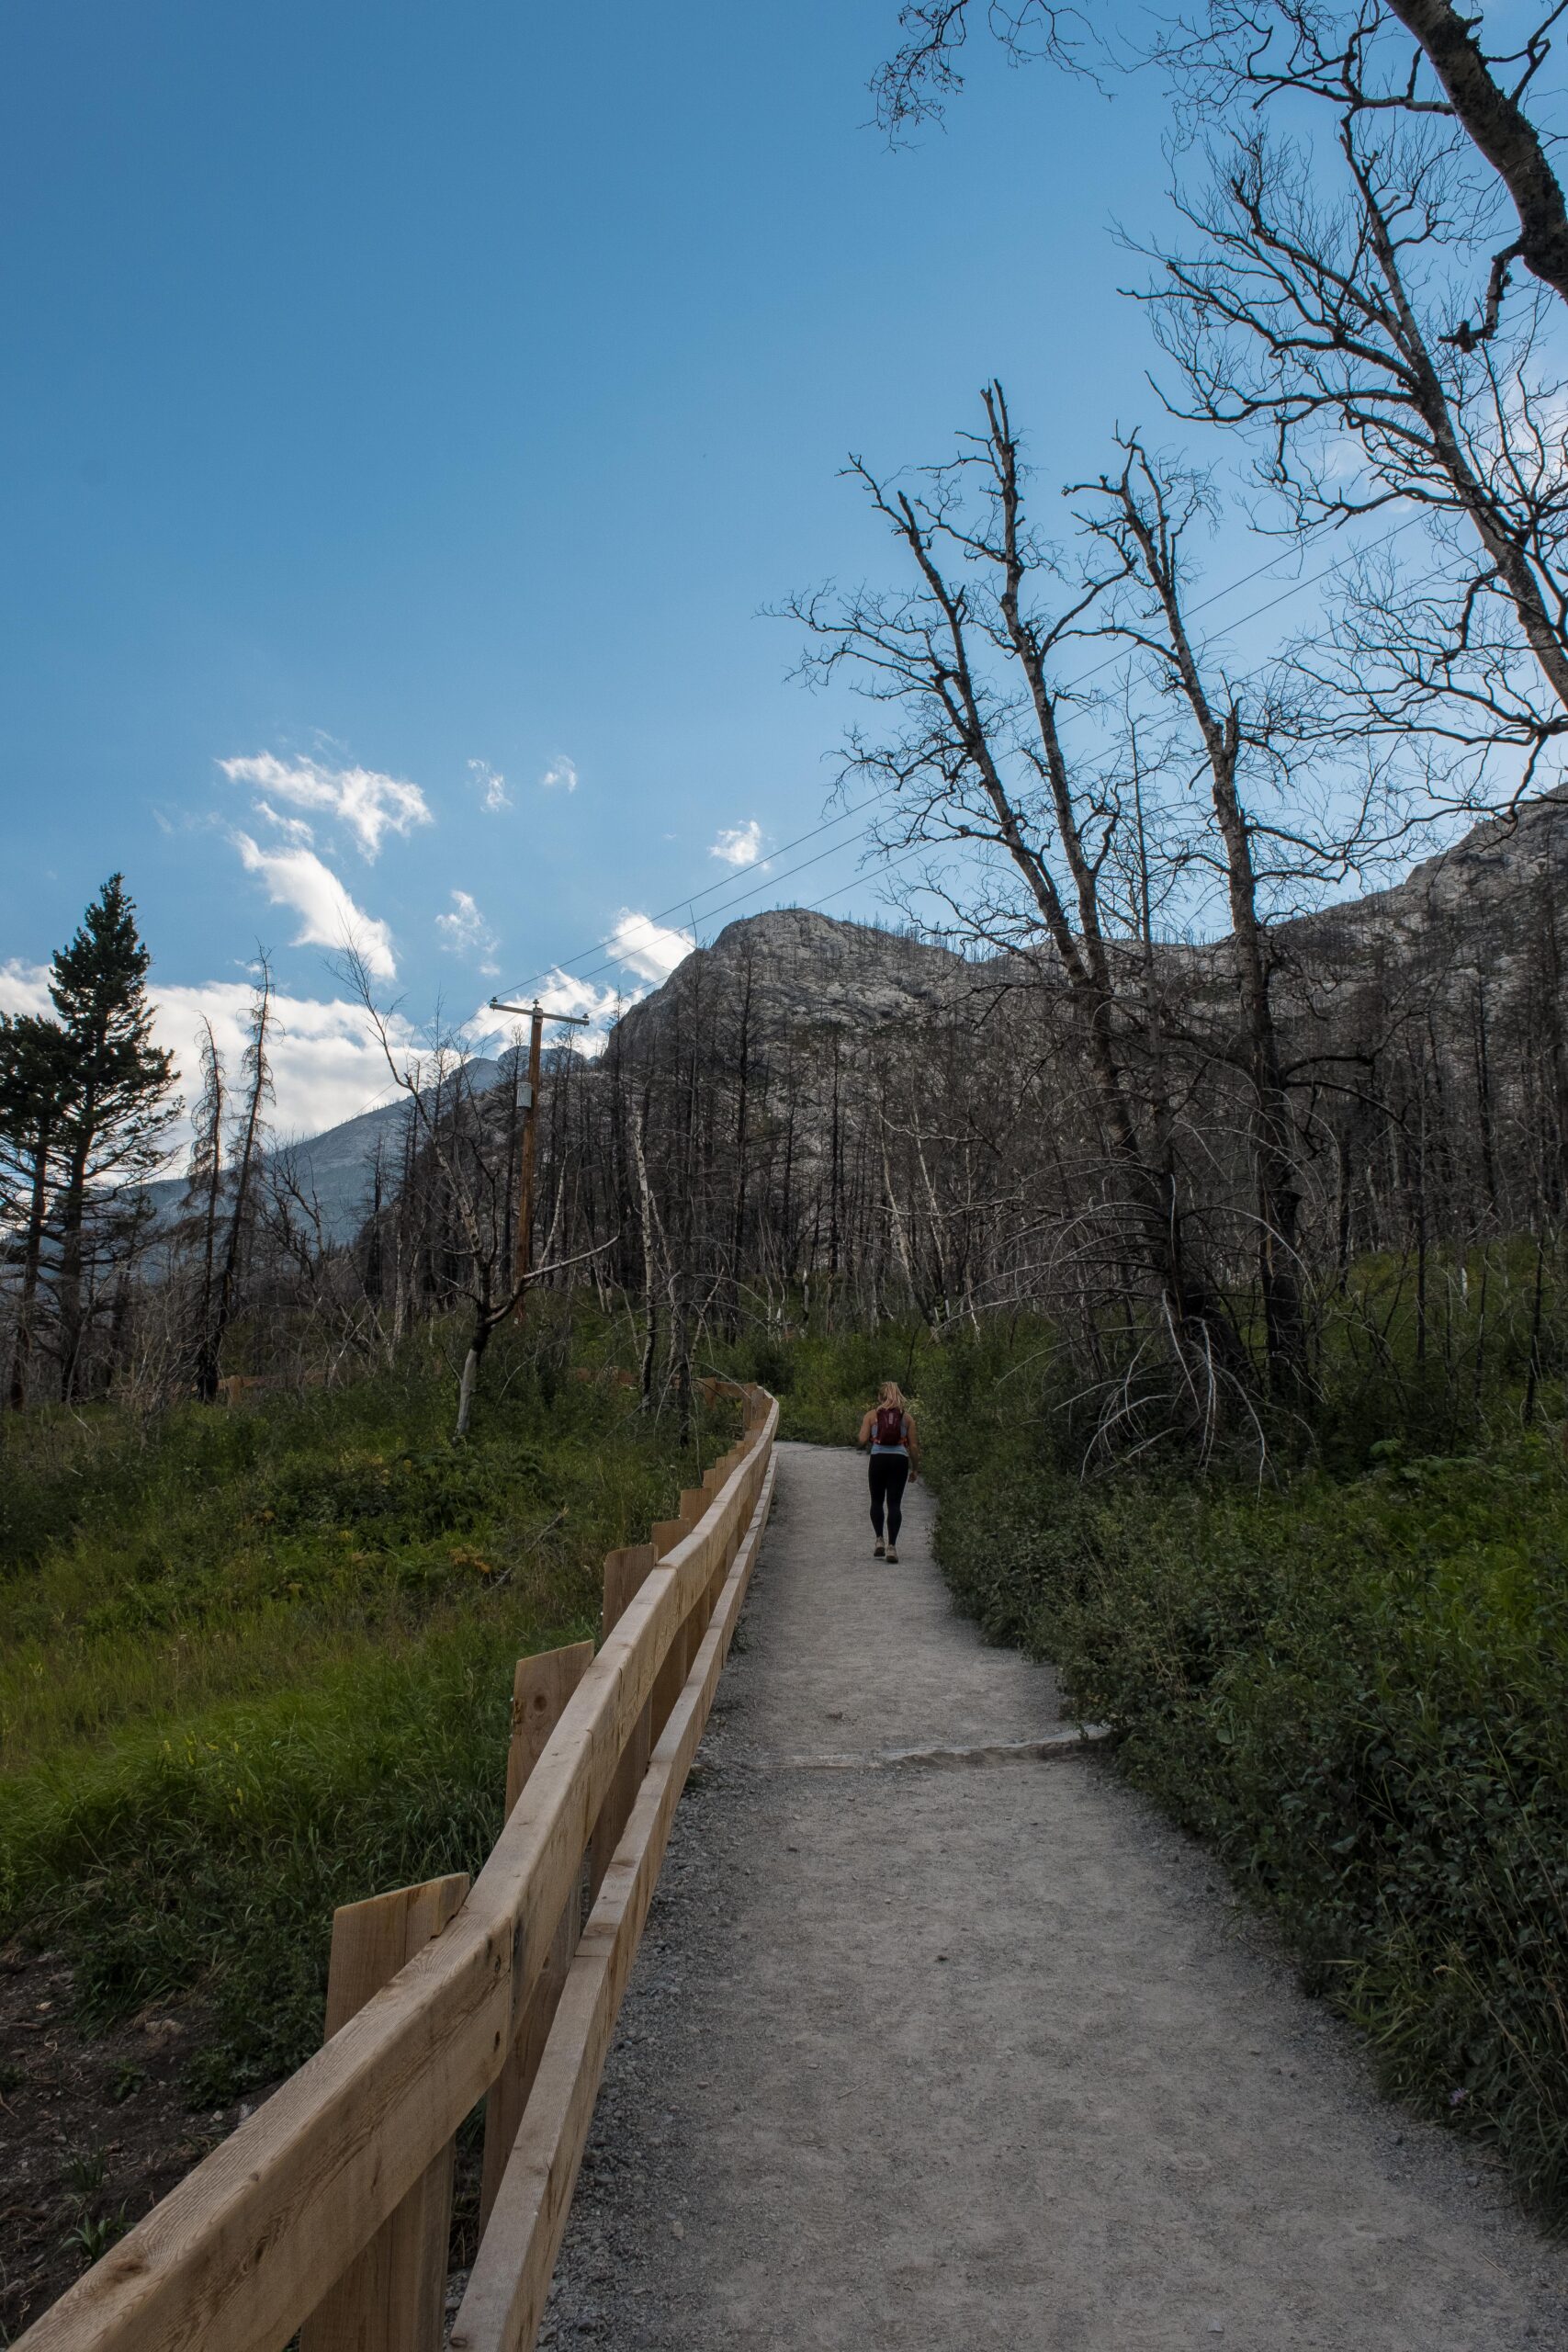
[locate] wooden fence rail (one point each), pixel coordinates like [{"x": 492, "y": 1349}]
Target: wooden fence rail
[{"x": 327, "y": 2210}]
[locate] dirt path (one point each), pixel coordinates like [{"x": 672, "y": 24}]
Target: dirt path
[{"x": 981, "y": 2058}]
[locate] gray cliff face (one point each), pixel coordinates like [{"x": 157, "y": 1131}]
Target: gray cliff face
[
  {"x": 1480, "y": 907},
  {"x": 793, "y": 968}
]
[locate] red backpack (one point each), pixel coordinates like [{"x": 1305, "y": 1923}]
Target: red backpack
[{"x": 889, "y": 1429}]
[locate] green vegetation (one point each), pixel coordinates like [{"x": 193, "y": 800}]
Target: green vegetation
[
  {"x": 256, "y": 1663},
  {"x": 92, "y": 2234},
  {"x": 824, "y": 1382},
  {"x": 1349, "y": 1674},
  {"x": 1356, "y": 1688}
]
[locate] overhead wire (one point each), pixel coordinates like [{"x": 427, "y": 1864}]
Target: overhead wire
[
  {"x": 891, "y": 864},
  {"x": 682, "y": 906},
  {"x": 615, "y": 960}
]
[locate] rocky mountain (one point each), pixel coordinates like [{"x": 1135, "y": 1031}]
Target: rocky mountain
[
  {"x": 1479, "y": 904},
  {"x": 791, "y": 968},
  {"x": 336, "y": 1169},
  {"x": 1485, "y": 909}
]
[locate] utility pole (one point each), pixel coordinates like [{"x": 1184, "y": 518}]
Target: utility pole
[{"x": 523, "y": 1244}]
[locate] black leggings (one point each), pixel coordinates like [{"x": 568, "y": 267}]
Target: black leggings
[{"x": 889, "y": 1473}]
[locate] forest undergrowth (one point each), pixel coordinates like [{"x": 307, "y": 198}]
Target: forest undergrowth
[
  {"x": 255, "y": 1663},
  {"x": 1346, "y": 1667}
]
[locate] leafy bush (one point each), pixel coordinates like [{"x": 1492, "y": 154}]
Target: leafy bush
[{"x": 1358, "y": 1692}]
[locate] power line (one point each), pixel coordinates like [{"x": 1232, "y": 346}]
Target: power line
[
  {"x": 756, "y": 892},
  {"x": 814, "y": 832},
  {"x": 680, "y": 906}
]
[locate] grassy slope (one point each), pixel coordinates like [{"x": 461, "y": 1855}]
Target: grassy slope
[{"x": 260, "y": 1663}]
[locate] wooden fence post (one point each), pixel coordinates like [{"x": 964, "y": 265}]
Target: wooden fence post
[
  {"x": 349, "y": 2164},
  {"x": 393, "y": 2296},
  {"x": 671, "y": 1676},
  {"x": 625, "y": 1573},
  {"x": 540, "y": 1689}
]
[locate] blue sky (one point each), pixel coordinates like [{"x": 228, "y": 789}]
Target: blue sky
[{"x": 410, "y": 397}]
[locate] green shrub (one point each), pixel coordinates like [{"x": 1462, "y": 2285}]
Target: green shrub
[
  {"x": 211, "y": 1856},
  {"x": 1358, "y": 1692},
  {"x": 253, "y": 1665}
]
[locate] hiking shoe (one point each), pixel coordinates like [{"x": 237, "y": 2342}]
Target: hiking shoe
[
  {"x": 880, "y": 1553},
  {"x": 892, "y": 1555}
]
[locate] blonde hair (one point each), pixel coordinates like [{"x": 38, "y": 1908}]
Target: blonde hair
[{"x": 890, "y": 1394}]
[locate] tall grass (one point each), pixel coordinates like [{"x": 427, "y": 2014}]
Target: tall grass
[{"x": 253, "y": 1665}]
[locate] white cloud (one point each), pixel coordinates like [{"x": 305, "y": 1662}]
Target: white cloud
[
  {"x": 739, "y": 845},
  {"x": 326, "y": 1064},
  {"x": 465, "y": 931},
  {"x": 293, "y": 829},
  {"x": 329, "y": 917},
  {"x": 24, "y": 988},
  {"x": 650, "y": 947},
  {"x": 492, "y": 786},
  {"x": 369, "y": 804},
  {"x": 560, "y": 776},
  {"x": 562, "y": 992}
]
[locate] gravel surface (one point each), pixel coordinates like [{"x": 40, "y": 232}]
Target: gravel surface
[{"x": 954, "y": 2059}]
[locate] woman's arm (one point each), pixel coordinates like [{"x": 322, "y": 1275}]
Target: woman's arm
[{"x": 867, "y": 1425}]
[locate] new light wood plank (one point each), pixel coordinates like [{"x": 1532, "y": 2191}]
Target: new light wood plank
[
  {"x": 504, "y": 2301},
  {"x": 541, "y": 1687},
  {"x": 625, "y": 1572},
  {"x": 393, "y": 2296}
]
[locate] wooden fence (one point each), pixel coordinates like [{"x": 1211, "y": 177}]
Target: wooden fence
[{"x": 328, "y": 2210}]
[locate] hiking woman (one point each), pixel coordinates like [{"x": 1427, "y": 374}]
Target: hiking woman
[{"x": 889, "y": 1429}]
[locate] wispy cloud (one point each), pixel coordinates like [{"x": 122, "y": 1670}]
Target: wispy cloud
[
  {"x": 369, "y": 804},
  {"x": 492, "y": 786},
  {"x": 650, "y": 948},
  {"x": 24, "y": 988},
  {"x": 560, "y": 776},
  {"x": 465, "y": 932},
  {"x": 328, "y": 916},
  {"x": 293, "y": 829},
  {"x": 739, "y": 845}
]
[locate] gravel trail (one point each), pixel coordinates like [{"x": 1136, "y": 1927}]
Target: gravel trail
[{"x": 983, "y": 2058}]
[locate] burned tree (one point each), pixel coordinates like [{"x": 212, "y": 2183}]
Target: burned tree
[{"x": 986, "y": 754}]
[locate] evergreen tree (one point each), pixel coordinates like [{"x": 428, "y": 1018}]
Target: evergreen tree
[
  {"x": 118, "y": 1102},
  {"x": 35, "y": 1081}
]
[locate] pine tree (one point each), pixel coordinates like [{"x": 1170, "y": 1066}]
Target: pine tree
[
  {"x": 118, "y": 1101},
  {"x": 34, "y": 1085}
]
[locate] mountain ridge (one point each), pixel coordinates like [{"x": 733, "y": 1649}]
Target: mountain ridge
[{"x": 1468, "y": 908}]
